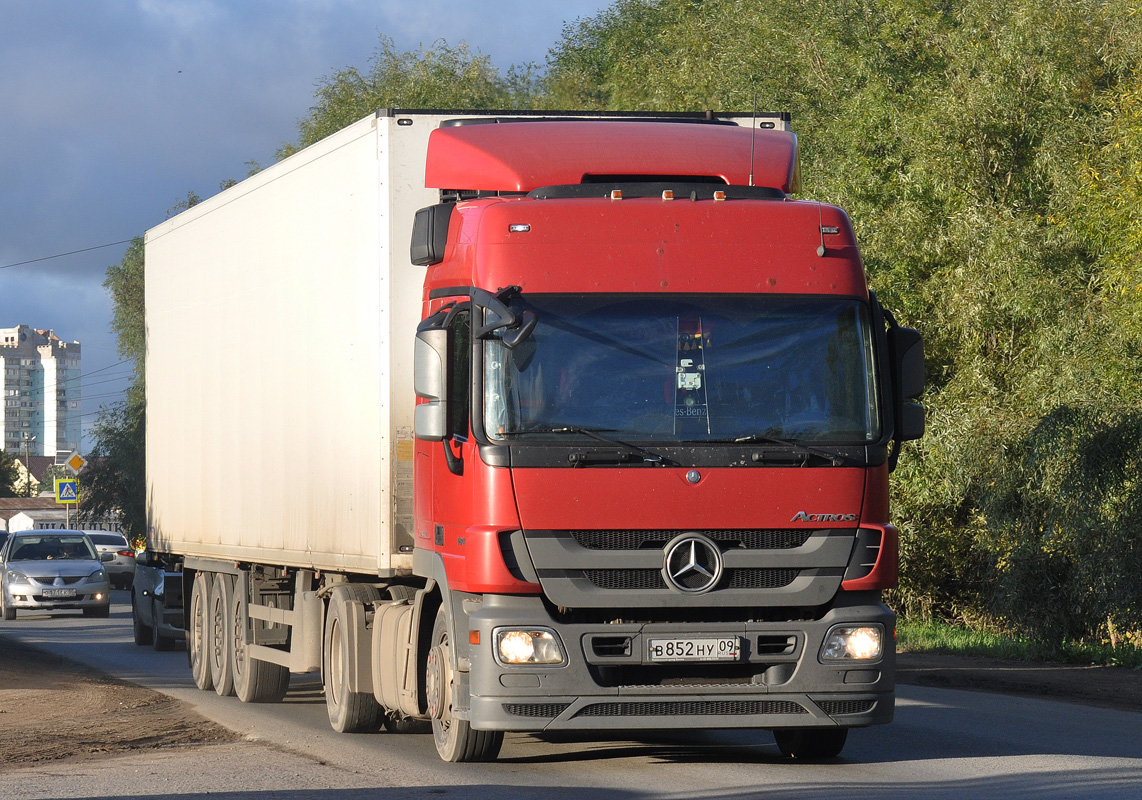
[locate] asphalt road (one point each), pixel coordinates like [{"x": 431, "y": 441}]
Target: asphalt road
[{"x": 943, "y": 744}]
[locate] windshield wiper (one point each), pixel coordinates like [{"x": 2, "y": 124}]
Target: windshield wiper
[
  {"x": 833, "y": 458},
  {"x": 598, "y": 433}
]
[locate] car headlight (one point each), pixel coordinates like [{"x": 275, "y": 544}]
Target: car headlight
[
  {"x": 853, "y": 643},
  {"x": 98, "y": 576},
  {"x": 12, "y": 576},
  {"x": 527, "y": 646}
]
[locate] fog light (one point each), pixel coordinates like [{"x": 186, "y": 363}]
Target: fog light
[
  {"x": 524, "y": 646},
  {"x": 853, "y": 643}
]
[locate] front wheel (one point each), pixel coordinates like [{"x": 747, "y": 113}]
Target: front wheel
[
  {"x": 140, "y": 629},
  {"x": 9, "y": 611},
  {"x": 811, "y": 744},
  {"x": 455, "y": 739}
]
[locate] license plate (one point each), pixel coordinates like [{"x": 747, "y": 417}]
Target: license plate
[
  {"x": 723, "y": 648},
  {"x": 58, "y": 593}
]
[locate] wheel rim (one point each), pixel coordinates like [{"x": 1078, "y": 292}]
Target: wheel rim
[
  {"x": 336, "y": 662},
  {"x": 238, "y": 639}
]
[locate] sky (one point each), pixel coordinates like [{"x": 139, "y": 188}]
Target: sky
[{"x": 111, "y": 111}]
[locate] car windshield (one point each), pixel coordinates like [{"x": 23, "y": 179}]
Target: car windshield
[
  {"x": 45, "y": 548},
  {"x": 686, "y": 369}
]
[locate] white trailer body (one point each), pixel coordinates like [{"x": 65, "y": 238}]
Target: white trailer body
[{"x": 280, "y": 322}]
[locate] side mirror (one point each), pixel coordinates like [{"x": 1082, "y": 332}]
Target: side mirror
[
  {"x": 906, "y": 347},
  {"x": 430, "y": 381},
  {"x": 105, "y": 557},
  {"x": 430, "y": 235}
]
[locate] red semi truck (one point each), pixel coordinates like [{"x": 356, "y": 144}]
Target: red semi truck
[{"x": 607, "y": 448}]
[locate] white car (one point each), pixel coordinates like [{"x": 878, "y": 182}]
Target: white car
[{"x": 120, "y": 569}]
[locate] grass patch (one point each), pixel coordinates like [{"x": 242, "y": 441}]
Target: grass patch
[{"x": 925, "y": 636}]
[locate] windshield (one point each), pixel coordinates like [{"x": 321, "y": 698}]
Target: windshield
[
  {"x": 48, "y": 548},
  {"x": 687, "y": 369}
]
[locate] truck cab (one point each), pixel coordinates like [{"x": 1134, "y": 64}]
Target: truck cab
[{"x": 658, "y": 407}]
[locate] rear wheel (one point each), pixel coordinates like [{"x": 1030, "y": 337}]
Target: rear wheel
[
  {"x": 198, "y": 635},
  {"x": 349, "y": 711},
  {"x": 221, "y": 652},
  {"x": 255, "y": 681},
  {"x": 455, "y": 739},
  {"x": 811, "y": 744}
]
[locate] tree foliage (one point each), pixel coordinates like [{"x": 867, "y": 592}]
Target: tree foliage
[
  {"x": 9, "y": 474},
  {"x": 439, "y": 76},
  {"x": 989, "y": 155}
]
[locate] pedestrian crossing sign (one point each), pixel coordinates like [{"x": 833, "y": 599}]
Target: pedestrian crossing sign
[{"x": 67, "y": 490}]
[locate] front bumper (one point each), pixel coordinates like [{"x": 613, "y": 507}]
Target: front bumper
[
  {"x": 609, "y": 683},
  {"x": 30, "y": 596}
]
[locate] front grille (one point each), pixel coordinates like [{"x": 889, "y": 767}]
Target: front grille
[
  {"x": 49, "y": 580},
  {"x": 657, "y": 539},
  {"x": 622, "y": 579},
  {"x": 838, "y": 707},
  {"x": 691, "y": 708},
  {"x": 544, "y": 710}
]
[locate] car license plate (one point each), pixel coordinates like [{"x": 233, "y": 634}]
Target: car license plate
[
  {"x": 723, "y": 648},
  {"x": 58, "y": 593}
]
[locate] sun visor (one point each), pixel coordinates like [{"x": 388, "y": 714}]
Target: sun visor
[{"x": 519, "y": 156}]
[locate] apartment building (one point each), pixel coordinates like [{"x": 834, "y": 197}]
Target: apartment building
[{"x": 41, "y": 392}]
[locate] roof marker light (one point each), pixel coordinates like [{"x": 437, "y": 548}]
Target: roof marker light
[
  {"x": 616, "y": 194},
  {"x": 520, "y": 228},
  {"x": 667, "y": 194}
]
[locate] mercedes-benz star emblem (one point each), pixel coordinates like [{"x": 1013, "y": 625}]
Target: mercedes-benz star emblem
[{"x": 693, "y": 563}]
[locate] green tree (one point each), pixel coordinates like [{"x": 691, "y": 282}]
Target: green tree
[
  {"x": 440, "y": 76},
  {"x": 115, "y": 479},
  {"x": 956, "y": 134},
  {"x": 9, "y": 474}
]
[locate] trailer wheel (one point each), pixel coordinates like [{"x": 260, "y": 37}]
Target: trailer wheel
[
  {"x": 349, "y": 711},
  {"x": 255, "y": 681},
  {"x": 141, "y": 630},
  {"x": 811, "y": 744},
  {"x": 455, "y": 739},
  {"x": 221, "y": 653},
  {"x": 198, "y": 636}
]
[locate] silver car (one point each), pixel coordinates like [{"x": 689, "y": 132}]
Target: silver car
[
  {"x": 53, "y": 569},
  {"x": 121, "y": 568}
]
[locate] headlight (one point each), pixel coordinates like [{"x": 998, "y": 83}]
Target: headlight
[
  {"x": 97, "y": 576},
  {"x": 526, "y": 646},
  {"x": 853, "y": 643},
  {"x": 15, "y": 577}
]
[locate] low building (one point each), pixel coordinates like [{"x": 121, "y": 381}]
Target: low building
[{"x": 44, "y": 513}]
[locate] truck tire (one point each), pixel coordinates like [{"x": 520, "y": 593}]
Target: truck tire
[
  {"x": 140, "y": 629},
  {"x": 455, "y": 739},
  {"x": 198, "y": 634},
  {"x": 811, "y": 744},
  {"x": 159, "y": 641},
  {"x": 255, "y": 681},
  {"x": 349, "y": 711},
  {"x": 221, "y": 652}
]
